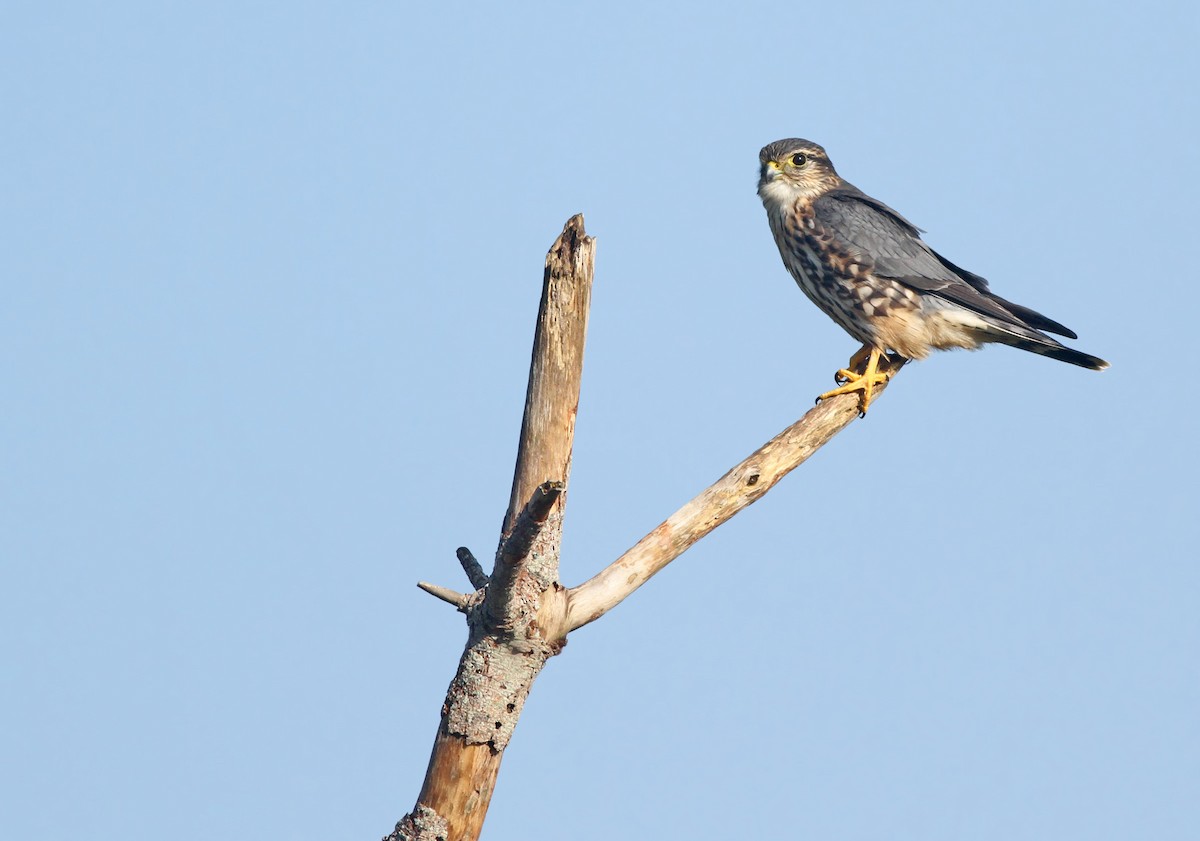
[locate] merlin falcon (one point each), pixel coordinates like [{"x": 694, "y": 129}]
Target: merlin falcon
[{"x": 866, "y": 267}]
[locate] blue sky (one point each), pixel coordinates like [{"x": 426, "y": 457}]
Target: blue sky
[{"x": 270, "y": 273}]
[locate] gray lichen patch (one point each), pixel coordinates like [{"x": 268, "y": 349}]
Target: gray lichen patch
[
  {"x": 422, "y": 824},
  {"x": 486, "y": 696}
]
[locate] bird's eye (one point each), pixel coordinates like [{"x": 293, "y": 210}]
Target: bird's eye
[{"x": 799, "y": 159}]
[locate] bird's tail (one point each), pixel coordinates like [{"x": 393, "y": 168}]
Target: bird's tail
[{"x": 1035, "y": 342}]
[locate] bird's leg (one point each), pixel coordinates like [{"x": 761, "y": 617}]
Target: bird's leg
[
  {"x": 872, "y": 374},
  {"x": 860, "y": 359}
]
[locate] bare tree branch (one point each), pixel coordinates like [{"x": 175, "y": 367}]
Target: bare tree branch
[
  {"x": 515, "y": 550},
  {"x": 517, "y": 623},
  {"x": 520, "y": 615},
  {"x": 445, "y": 594},
  {"x": 529, "y": 523},
  {"x": 743, "y": 484},
  {"x": 471, "y": 567},
  {"x": 556, "y": 369}
]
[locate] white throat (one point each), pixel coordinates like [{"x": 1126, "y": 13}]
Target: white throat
[{"x": 777, "y": 194}]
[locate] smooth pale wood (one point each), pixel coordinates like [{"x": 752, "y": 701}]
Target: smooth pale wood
[
  {"x": 523, "y": 608},
  {"x": 556, "y": 369},
  {"x": 452, "y": 597},
  {"x": 742, "y": 485}
]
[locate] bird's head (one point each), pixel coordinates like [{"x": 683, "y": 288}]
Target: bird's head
[{"x": 791, "y": 169}]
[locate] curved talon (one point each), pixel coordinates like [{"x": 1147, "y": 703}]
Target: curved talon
[{"x": 850, "y": 381}]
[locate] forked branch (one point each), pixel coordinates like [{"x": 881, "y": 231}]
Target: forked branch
[
  {"x": 742, "y": 485},
  {"x": 519, "y": 616},
  {"x": 516, "y": 616}
]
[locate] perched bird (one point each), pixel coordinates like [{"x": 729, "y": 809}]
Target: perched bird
[{"x": 868, "y": 269}]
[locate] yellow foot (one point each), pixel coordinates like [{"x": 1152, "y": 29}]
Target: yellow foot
[{"x": 872, "y": 374}]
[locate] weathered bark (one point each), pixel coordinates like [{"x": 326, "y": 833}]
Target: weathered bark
[
  {"x": 517, "y": 617},
  {"x": 520, "y": 615}
]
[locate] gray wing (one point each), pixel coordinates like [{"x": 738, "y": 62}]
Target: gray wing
[
  {"x": 879, "y": 236},
  {"x": 1031, "y": 317}
]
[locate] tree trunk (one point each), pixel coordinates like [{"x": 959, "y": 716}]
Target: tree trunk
[
  {"x": 520, "y": 615},
  {"x": 517, "y": 618}
]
